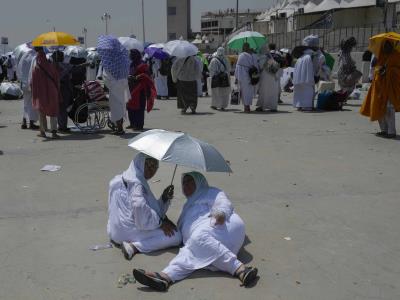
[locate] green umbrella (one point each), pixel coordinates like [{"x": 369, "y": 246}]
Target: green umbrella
[
  {"x": 330, "y": 61},
  {"x": 253, "y": 38}
]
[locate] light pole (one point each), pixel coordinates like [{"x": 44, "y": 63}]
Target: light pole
[
  {"x": 84, "y": 31},
  {"x": 105, "y": 18},
  {"x": 144, "y": 31},
  {"x": 237, "y": 14}
]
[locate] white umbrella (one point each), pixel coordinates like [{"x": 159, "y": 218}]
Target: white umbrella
[
  {"x": 158, "y": 46},
  {"x": 24, "y": 67},
  {"x": 180, "y": 149},
  {"x": 180, "y": 48},
  {"x": 75, "y": 51},
  {"x": 21, "y": 50},
  {"x": 10, "y": 90},
  {"x": 93, "y": 56},
  {"x": 131, "y": 43}
]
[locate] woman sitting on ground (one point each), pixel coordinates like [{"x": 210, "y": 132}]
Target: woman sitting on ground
[
  {"x": 137, "y": 220},
  {"x": 212, "y": 235}
]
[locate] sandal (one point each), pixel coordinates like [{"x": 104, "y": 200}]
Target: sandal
[
  {"x": 158, "y": 283},
  {"x": 249, "y": 275}
]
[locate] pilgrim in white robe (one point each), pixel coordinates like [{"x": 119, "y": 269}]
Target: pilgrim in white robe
[
  {"x": 135, "y": 215},
  {"x": 220, "y": 95},
  {"x": 198, "y": 80},
  {"x": 243, "y": 65},
  {"x": 269, "y": 86},
  {"x": 23, "y": 74},
  {"x": 119, "y": 95},
  {"x": 160, "y": 81},
  {"x": 304, "y": 82},
  {"x": 206, "y": 244}
]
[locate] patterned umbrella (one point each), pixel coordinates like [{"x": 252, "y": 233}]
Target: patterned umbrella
[{"x": 114, "y": 56}]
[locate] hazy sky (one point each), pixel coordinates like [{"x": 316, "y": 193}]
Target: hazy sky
[{"x": 22, "y": 20}]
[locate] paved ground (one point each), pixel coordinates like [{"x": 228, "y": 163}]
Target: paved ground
[{"x": 322, "y": 179}]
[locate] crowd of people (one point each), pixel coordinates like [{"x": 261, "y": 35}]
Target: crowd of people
[{"x": 51, "y": 82}]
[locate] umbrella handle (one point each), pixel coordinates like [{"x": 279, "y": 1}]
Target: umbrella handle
[{"x": 173, "y": 175}]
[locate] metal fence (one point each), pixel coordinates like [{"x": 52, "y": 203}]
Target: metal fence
[{"x": 329, "y": 38}]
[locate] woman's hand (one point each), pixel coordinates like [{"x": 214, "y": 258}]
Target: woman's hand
[
  {"x": 168, "y": 193},
  {"x": 168, "y": 227},
  {"x": 219, "y": 218}
]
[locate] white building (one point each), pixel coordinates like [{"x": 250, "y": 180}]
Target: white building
[{"x": 217, "y": 26}]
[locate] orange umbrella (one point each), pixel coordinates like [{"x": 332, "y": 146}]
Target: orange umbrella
[{"x": 376, "y": 42}]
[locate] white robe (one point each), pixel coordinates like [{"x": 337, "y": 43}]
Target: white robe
[
  {"x": 269, "y": 90},
  {"x": 135, "y": 215},
  {"x": 161, "y": 81},
  {"x": 243, "y": 65},
  {"x": 91, "y": 73},
  {"x": 220, "y": 96},
  {"x": 119, "y": 96},
  {"x": 199, "y": 79},
  {"x": 207, "y": 245},
  {"x": 303, "y": 81},
  {"x": 23, "y": 73}
]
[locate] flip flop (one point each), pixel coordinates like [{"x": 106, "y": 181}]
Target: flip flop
[
  {"x": 158, "y": 283},
  {"x": 249, "y": 275}
]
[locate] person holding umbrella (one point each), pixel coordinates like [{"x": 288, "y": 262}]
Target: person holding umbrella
[
  {"x": 115, "y": 71},
  {"x": 247, "y": 75},
  {"x": 137, "y": 221},
  {"x": 46, "y": 95},
  {"x": 383, "y": 99},
  {"x": 185, "y": 72}
]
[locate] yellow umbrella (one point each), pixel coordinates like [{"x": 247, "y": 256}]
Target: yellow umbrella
[
  {"x": 376, "y": 42},
  {"x": 54, "y": 39}
]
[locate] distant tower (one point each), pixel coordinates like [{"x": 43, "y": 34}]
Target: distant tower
[{"x": 178, "y": 19}]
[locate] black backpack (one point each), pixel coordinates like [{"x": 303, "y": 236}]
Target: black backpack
[
  {"x": 165, "y": 67},
  {"x": 254, "y": 75}
]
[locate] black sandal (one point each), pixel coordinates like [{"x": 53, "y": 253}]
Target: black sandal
[
  {"x": 249, "y": 275},
  {"x": 158, "y": 283}
]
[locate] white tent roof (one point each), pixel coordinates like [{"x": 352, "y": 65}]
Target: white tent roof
[
  {"x": 325, "y": 5},
  {"x": 286, "y": 6}
]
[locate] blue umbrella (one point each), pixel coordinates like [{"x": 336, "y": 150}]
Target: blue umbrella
[
  {"x": 114, "y": 56},
  {"x": 156, "y": 51}
]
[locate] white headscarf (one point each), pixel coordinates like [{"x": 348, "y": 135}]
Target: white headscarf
[
  {"x": 202, "y": 188},
  {"x": 135, "y": 174},
  {"x": 221, "y": 52},
  {"x": 311, "y": 41}
]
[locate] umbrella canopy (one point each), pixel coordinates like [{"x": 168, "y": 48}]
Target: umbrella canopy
[
  {"x": 10, "y": 90},
  {"x": 180, "y": 149},
  {"x": 114, "y": 56},
  {"x": 54, "y": 38},
  {"x": 93, "y": 56},
  {"x": 156, "y": 51},
  {"x": 76, "y": 52},
  {"x": 180, "y": 48},
  {"x": 24, "y": 67},
  {"x": 376, "y": 42},
  {"x": 253, "y": 38},
  {"x": 21, "y": 50},
  {"x": 131, "y": 43},
  {"x": 329, "y": 59}
]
